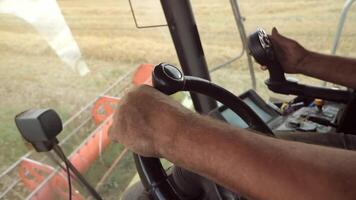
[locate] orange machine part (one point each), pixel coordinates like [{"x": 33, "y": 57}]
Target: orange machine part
[
  {"x": 143, "y": 75},
  {"x": 103, "y": 108},
  {"x": 32, "y": 174},
  {"x": 87, "y": 154},
  {"x": 57, "y": 188}
]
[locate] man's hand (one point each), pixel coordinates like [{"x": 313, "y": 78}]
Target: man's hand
[
  {"x": 290, "y": 54},
  {"x": 146, "y": 121}
]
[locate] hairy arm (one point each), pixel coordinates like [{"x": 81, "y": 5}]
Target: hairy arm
[
  {"x": 259, "y": 167},
  {"x": 330, "y": 68}
]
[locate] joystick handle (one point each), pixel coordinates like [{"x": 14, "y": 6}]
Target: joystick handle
[{"x": 261, "y": 49}]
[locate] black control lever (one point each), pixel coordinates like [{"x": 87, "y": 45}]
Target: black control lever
[{"x": 261, "y": 48}]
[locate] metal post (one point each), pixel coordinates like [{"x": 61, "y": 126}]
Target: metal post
[
  {"x": 184, "y": 32},
  {"x": 241, "y": 28},
  {"x": 341, "y": 24},
  {"x": 340, "y": 27}
]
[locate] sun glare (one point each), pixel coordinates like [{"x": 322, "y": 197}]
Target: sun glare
[{"x": 46, "y": 17}]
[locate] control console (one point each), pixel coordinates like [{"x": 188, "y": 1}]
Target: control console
[{"x": 305, "y": 118}]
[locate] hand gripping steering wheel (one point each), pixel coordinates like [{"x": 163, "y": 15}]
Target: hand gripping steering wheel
[{"x": 169, "y": 80}]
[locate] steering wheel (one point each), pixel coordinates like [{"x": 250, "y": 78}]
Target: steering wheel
[{"x": 169, "y": 80}]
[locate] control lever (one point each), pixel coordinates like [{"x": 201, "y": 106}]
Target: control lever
[
  {"x": 321, "y": 121},
  {"x": 261, "y": 48}
]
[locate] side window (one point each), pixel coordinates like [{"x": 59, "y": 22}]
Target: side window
[{"x": 313, "y": 24}]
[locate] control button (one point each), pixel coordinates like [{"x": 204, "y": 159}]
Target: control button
[
  {"x": 307, "y": 127},
  {"x": 172, "y": 72},
  {"x": 293, "y": 123},
  {"x": 319, "y": 104}
]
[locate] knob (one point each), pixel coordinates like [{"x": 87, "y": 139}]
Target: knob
[
  {"x": 261, "y": 49},
  {"x": 167, "y": 78}
]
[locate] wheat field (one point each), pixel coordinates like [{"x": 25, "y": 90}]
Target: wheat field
[{"x": 31, "y": 74}]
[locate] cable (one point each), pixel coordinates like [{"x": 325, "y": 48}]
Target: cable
[
  {"x": 63, "y": 157},
  {"x": 69, "y": 182},
  {"x": 50, "y": 155},
  {"x": 87, "y": 185}
]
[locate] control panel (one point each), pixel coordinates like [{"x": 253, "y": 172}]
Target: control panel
[
  {"x": 316, "y": 117},
  {"x": 312, "y": 119}
]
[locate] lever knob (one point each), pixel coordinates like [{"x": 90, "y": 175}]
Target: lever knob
[
  {"x": 261, "y": 49},
  {"x": 167, "y": 78}
]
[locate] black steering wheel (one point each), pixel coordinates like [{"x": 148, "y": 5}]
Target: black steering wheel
[{"x": 169, "y": 80}]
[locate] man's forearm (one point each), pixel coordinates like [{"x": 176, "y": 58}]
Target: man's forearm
[
  {"x": 330, "y": 68},
  {"x": 262, "y": 167}
]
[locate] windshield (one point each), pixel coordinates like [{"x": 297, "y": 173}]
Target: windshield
[
  {"x": 72, "y": 55},
  {"x": 64, "y": 55}
]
